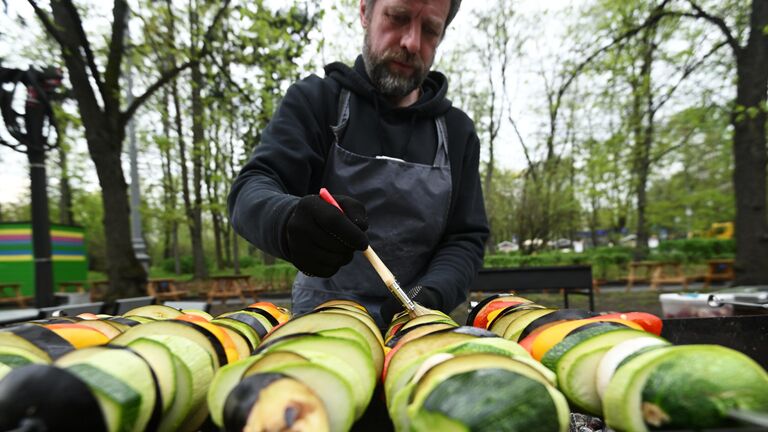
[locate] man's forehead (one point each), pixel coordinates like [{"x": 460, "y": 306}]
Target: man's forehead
[{"x": 435, "y": 9}]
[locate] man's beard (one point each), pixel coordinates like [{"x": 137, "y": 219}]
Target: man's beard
[{"x": 388, "y": 83}]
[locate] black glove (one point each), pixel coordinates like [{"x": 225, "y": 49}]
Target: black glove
[
  {"x": 425, "y": 296},
  {"x": 320, "y": 238}
]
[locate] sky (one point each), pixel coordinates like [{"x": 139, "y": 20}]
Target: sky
[{"x": 14, "y": 180}]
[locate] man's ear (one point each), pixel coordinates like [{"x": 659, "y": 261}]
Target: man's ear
[{"x": 363, "y": 20}]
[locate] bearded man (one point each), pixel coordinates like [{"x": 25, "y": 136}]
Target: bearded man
[{"x": 402, "y": 163}]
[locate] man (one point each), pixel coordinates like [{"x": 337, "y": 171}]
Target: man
[{"x": 401, "y": 162}]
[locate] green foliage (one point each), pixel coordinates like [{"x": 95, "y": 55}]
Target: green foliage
[
  {"x": 278, "y": 276},
  {"x": 187, "y": 264},
  {"x": 88, "y": 212},
  {"x": 247, "y": 261},
  {"x": 698, "y": 249}
]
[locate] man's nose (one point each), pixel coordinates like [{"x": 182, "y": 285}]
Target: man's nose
[{"x": 411, "y": 40}]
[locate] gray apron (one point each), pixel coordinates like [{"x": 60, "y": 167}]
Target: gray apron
[{"x": 407, "y": 206}]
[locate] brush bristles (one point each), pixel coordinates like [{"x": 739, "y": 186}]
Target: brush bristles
[{"x": 418, "y": 311}]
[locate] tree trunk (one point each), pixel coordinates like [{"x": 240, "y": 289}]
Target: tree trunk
[
  {"x": 126, "y": 275},
  {"x": 593, "y": 220},
  {"x": 643, "y": 92},
  {"x": 167, "y": 181},
  {"x": 217, "y": 231},
  {"x": 235, "y": 252},
  {"x": 171, "y": 222},
  {"x": 65, "y": 191},
  {"x": 198, "y": 141},
  {"x": 104, "y": 132},
  {"x": 749, "y": 152},
  {"x": 211, "y": 167},
  {"x": 226, "y": 246},
  {"x": 185, "y": 194}
]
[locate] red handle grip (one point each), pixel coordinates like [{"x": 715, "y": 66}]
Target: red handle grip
[{"x": 327, "y": 197}]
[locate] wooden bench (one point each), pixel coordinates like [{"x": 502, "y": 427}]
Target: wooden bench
[
  {"x": 165, "y": 289},
  {"x": 571, "y": 280},
  {"x": 228, "y": 286},
  {"x": 668, "y": 273},
  {"x": 635, "y": 270},
  {"x": 11, "y": 293},
  {"x": 719, "y": 270},
  {"x": 72, "y": 287}
]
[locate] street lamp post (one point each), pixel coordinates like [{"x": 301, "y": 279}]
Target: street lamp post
[
  {"x": 28, "y": 130},
  {"x": 137, "y": 235}
]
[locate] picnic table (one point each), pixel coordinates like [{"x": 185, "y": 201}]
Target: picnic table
[
  {"x": 11, "y": 293},
  {"x": 657, "y": 273},
  {"x": 228, "y": 286},
  {"x": 73, "y": 287},
  {"x": 639, "y": 271},
  {"x": 719, "y": 270},
  {"x": 668, "y": 273},
  {"x": 165, "y": 289}
]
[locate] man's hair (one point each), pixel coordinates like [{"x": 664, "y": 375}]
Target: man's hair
[{"x": 454, "y": 9}]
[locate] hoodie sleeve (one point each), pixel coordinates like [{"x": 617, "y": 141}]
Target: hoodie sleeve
[
  {"x": 460, "y": 254},
  {"x": 286, "y": 165}
]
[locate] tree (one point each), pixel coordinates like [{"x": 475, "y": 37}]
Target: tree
[
  {"x": 748, "y": 43},
  {"x": 97, "y": 92}
]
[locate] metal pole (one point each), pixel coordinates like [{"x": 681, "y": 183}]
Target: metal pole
[
  {"x": 139, "y": 246},
  {"x": 41, "y": 234}
]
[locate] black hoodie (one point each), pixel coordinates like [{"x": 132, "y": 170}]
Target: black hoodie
[{"x": 290, "y": 163}]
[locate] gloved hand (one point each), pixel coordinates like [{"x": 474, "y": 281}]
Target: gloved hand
[
  {"x": 425, "y": 296},
  {"x": 320, "y": 238}
]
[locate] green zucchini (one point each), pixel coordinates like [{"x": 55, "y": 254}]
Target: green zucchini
[
  {"x": 577, "y": 368},
  {"x": 688, "y": 386},
  {"x": 466, "y": 390}
]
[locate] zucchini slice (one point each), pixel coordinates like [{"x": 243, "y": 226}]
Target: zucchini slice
[
  {"x": 182, "y": 402},
  {"x": 122, "y": 381},
  {"x": 684, "y": 387},
  {"x": 315, "y": 322},
  {"x": 465, "y": 389},
  {"x": 161, "y": 361},
  {"x": 350, "y": 359},
  {"x": 158, "y": 312},
  {"x": 616, "y": 355},
  {"x": 577, "y": 368}
]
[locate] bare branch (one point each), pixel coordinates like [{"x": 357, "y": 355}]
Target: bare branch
[
  {"x": 719, "y": 22},
  {"x": 522, "y": 142},
  {"x": 684, "y": 140},
  {"x": 687, "y": 71},
  {"x": 116, "y": 51},
  {"x": 653, "y": 18},
  {"x": 49, "y": 25},
  {"x": 70, "y": 7},
  {"x": 232, "y": 82},
  {"x": 168, "y": 75}
]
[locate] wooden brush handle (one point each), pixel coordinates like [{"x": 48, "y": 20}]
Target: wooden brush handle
[{"x": 380, "y": 267}]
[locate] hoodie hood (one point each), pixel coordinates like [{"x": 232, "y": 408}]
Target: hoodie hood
[{"x": 432, "y": 102}]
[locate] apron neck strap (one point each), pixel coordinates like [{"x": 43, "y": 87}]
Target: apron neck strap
[{"x": 441, "y": 155}]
